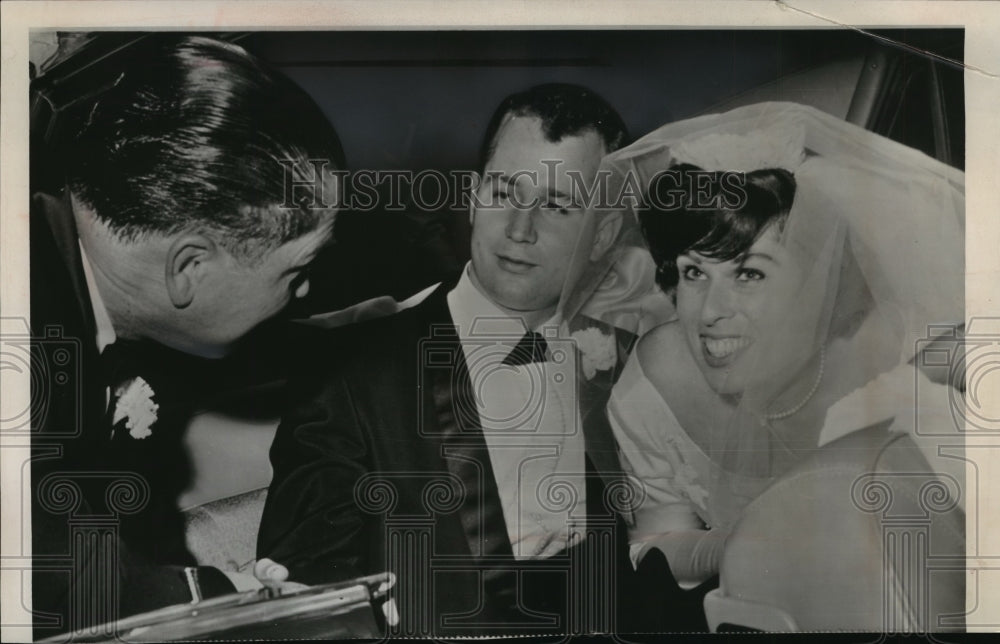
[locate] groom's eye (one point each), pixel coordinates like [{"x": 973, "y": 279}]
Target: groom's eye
[
  {"x": 556, "y": 208},
  {"x": 500, "y": 192}
]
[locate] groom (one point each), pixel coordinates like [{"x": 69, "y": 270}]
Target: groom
[{"x": 444, "y": 443}]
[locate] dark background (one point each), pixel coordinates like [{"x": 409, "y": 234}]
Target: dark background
[{"x": 421, "y": 100}]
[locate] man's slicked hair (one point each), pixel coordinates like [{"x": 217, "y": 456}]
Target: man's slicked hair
[
  {"x": 564, "y": 110},
  {"x": 196, "y": 134}
]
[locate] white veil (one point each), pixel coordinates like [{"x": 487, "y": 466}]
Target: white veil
[{"x": 880, "y": 227}]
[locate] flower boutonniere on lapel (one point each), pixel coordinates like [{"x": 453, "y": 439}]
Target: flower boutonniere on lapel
[
  {"x": 597, "y": 350},
  {"x": 136, "y": 407}
]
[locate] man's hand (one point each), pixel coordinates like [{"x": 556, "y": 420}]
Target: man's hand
[
  {"x": 273, "y": 575},
  {"x": 266, "y": 573}
]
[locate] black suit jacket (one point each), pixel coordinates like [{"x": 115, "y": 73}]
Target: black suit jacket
[
  {"x": 89, "y": 493},
  {"x": 361, "y": 485}
]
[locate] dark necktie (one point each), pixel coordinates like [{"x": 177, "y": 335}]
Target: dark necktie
[{"x": 532, "y": 347}]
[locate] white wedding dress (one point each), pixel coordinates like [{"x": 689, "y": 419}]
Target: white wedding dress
[
  {"x": 676, "y": 513},
  {"x": 679, "y": 515}
]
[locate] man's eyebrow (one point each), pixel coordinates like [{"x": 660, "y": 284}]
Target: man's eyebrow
[
  {"x": 555, "y": 193},
  {"x": 500, "y": 177},
  {"x": 552, "y": 193}
]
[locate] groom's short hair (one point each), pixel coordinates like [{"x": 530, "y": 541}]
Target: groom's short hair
[
  {"x": 565, "y": 110},
  {"x": 196, "y": 133}
]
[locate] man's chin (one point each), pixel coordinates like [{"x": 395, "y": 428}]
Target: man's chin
[
  {"x": 202, "y": 349},
  {"x": 523, "y": 304},
  {"x": 515, "y": 299}
]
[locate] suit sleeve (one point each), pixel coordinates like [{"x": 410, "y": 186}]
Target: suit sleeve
[
  {"x": 311, "y": 523},
  {"x": 102, "y": 570}
]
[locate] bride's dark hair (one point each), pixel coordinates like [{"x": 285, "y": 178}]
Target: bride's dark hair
[{"x": 722, "y": 232}]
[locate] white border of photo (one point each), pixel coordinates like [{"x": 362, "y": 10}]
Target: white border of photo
[{"x": 981, "y": 21}]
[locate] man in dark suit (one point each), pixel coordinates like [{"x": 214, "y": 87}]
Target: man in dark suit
[
  {"x": 175, "y": 230},
  {"x": 445, "y": 443}
]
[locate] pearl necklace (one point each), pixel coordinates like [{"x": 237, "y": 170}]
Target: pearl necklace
[{"x": 819, "y": 377}]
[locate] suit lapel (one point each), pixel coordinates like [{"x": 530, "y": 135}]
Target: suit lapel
[
  {"x": 459, "y": 431},
  {"x": 58, "y": 215}
]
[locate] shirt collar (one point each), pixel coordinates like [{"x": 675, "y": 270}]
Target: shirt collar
[
  {"x": 105, "y": 330},
  {"x": 476, "y": 314}
]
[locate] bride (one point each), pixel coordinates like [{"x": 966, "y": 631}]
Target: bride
[{"x": 806, "y": 259}]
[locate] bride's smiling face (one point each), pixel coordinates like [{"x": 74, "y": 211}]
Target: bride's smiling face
[{"x": 735, "y": 315}]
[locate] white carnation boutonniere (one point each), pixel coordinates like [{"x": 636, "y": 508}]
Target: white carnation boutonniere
[
  {"x": 136, "y": 407},
  {"x": 597, "y": 350}
]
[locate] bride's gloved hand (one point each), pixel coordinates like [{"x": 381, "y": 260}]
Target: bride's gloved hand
[{"x": 693, "y": 555}]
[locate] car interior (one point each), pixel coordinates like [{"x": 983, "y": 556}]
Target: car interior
[{"x": 414, "y": 100}]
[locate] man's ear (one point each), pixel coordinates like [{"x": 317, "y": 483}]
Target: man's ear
[
  {"x": 188, "y": 259},
  {"x": 607, "y": 233}
]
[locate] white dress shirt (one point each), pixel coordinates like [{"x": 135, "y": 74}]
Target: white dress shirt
[
  {"x": 530, "y": 420},
  {"x": 102, "y": 320},
  {"x": 105, "y": 330}
]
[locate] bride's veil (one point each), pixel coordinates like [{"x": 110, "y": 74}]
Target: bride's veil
[{"x": 877, "y": 231}]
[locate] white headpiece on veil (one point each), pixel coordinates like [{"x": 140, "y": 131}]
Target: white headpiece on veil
[{"x": 883, "y": 224}]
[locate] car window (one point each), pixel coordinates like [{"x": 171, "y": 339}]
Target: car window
[{"x": 909, "y": 118}]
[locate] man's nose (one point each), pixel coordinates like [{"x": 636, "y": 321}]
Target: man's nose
[
  {"x": 521, "y": 225},
  {"x": 718, "y": 302}
]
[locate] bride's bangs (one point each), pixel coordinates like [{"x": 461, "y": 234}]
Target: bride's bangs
[
  {"x": 728, "y": 234},
  {"x": 768, "y": 196},
  {"x": 719, "y": 233}
]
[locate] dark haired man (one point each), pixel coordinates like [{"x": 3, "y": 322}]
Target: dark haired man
[
  {"x": 438, "y": 442},
  {"x": 174, "y": 230}
]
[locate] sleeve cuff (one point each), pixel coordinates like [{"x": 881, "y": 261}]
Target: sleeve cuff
[{"x": 205, "y": 582}]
